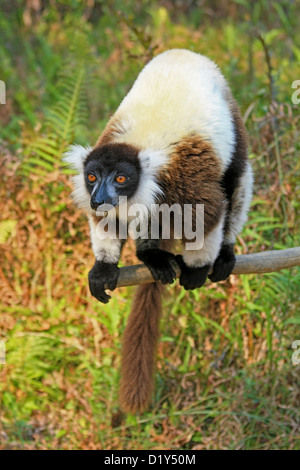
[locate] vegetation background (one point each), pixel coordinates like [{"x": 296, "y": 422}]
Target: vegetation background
[{"x": 225, "y": 378}]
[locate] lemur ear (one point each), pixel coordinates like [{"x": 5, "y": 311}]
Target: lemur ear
[{"x": 76, "y": 155}]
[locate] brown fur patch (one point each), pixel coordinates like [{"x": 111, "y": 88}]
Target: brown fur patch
[
  {"x": 112, "y": 130},
  {"x": 96, "y": 219},
  {"x": 193, "y": 176}
]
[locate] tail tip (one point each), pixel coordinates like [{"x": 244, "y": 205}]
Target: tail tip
[{"x": 134, "y": 401}]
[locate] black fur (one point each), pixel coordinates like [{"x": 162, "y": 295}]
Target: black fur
[
  {"x": 112, "y": 154},
  {"x": 236, "y": 168},
  {"x": 111, "y": 160},
  {"x": 191, "y": 278},
  {"x": 158, "y": 261},
  {"x": 223, "y": 265},
  {"x": 103, "y": 275}
]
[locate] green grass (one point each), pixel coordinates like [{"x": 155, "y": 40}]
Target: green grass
[{"x": 224, "y": 378}]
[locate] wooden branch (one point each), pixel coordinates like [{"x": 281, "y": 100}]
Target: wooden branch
[{"x": 255, "y": 263}]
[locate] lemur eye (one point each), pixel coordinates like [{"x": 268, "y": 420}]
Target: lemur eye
[
  {"x": 121, "y": 179},
  {"x": 92, "y": 178}
]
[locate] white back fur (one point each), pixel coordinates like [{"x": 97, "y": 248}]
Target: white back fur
[{"x": 177, "y": 93}]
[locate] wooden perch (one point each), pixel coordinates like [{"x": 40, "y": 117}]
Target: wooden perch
[{"x": 255, "y": 263}]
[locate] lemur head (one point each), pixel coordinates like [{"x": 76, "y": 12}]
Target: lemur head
[{"x": 111, "y": 171}]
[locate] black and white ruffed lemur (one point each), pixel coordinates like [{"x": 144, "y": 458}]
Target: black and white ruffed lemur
[{"x": 176, "y": 138}]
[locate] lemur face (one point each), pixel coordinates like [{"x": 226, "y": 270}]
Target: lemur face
[{"x": 111, "y": 171}]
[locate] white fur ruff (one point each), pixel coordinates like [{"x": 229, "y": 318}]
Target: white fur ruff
[{"x": 75, "y": 157}]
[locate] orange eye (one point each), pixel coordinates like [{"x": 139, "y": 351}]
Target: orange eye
[
  {"x": 120, "y": 179},
  {"x": 92, "y": 178}
]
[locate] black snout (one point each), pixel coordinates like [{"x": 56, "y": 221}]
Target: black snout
[
  {"x": 95, "y": 203},
  {"x": 101, "y": 197}
]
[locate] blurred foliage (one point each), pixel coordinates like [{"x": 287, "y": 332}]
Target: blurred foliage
[{"x": 224, "y": 376}]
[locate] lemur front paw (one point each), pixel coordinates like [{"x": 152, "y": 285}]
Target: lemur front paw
[
  {"x": 158, "y": 261},
  {"x": 101, "y": 276},
  {"x": 191, "y": 278},
  {"x": 223, "y": 265}
]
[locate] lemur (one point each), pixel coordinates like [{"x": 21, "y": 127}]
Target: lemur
[{"x": 176, "y": 138}]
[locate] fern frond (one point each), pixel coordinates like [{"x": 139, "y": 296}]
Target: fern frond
[{"x": 43, "y": 152}]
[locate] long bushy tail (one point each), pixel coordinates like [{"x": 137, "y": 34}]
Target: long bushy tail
[{"x": 139, "y": 347}]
